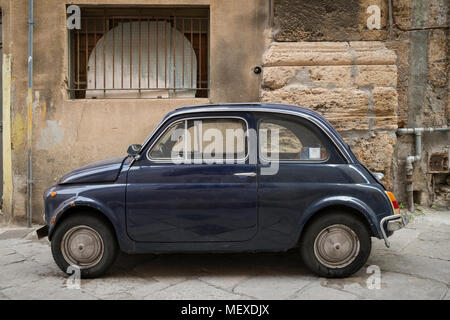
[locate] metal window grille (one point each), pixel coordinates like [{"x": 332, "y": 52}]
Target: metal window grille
[{"x": 140, "y": 53}]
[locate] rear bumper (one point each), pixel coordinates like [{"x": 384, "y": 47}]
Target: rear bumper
[{"x": 393, "y": 223}]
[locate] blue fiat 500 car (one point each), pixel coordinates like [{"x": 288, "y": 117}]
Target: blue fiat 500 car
[{"x": 224, "y": 178}]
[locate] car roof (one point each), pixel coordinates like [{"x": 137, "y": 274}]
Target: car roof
[{"x": 255, "y": 107}]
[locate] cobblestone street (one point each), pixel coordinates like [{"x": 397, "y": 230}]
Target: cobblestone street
[{"x": 417, "y": 266}]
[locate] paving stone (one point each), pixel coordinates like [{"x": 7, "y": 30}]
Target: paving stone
[
  {"x": 423, "y": 267},
  {"x": 49, "y": 288},
  {"x": 14, "y": 234},
  {"x": 429, "y": 248},
  {"x": 398, "y": 241},
  {"x": 226, "y": 281},
  {"x": 114, "y": 284},
  {"x": 9, "y": 243},
  {"x": 192, "y": 289},
  {"x": 146, "y": 290},
  {"x": 7, "y": 251},
  {"x": 437, "y": 222},
  {"x": 394, "y": 286},
  {"x": 271, "y": 287},
  {"x": 316, "y": 291},
  {"x": 447, "y": 296},
  {"x": 163, "y": 271},
  {"x": 11, "y": 259},
  {"x": 21, "y": 273}
]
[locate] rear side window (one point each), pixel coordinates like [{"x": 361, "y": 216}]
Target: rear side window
[{"x": 289, "y": 141}]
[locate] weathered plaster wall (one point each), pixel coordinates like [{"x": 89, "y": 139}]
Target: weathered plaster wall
[
  {"x": 6, "y": 136},
  {"x": 70, "y": 133},
  {"x": 324, "y": 20},
  {"x": 424, "y": 96}
]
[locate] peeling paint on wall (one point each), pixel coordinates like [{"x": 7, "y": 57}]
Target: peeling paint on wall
[
  {"x": 50, "y": 136},
  {"x": 19, "y": 130},
  {"x": 6, "y": 136}
]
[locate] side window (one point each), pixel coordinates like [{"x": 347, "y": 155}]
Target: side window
[
  {"x": 218, "y": 138},
  {"x": 170, "y": 140},
  {"x": 289, "y": 141},
  {"x": 210, "y": 140}
]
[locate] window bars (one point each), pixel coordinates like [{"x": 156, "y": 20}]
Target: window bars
[{"x": 143, "y": 56}]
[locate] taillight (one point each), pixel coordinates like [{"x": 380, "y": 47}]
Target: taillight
[{"x": 394, "y": 202}]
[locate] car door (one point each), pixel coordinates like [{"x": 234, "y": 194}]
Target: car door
[
  {"x": 181, "y": 191},
  {"x": 298, "y": 165}
]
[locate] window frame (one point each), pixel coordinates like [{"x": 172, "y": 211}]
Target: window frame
[
  {"x": 224, "y": 161},
  {"x": 263, "y": 160},
  {"x": 169, "y": 13}
]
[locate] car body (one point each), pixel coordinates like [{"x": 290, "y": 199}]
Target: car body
[{"x": 151, "y": 204}]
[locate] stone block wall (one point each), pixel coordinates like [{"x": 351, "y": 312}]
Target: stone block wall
[
  {"x": 367, "y": 83},
  {"x": 353, "y": 84}
]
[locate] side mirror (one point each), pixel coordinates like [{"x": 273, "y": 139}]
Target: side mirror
[{"x": 134, "y": 150}]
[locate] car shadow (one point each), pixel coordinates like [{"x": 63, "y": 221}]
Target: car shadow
[{"x": 210, "y": 264}]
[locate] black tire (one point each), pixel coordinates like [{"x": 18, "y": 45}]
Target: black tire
[
  {"x": 99, "y": 228},
  {"x": 319, "y": 229}
]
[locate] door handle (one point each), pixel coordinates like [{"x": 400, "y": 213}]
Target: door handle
[{"x": 246, "y": 174}]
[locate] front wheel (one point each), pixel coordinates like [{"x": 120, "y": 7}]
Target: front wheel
[
  {"x": 335, "y": 245},
  {"x": 85, "y": 242}
]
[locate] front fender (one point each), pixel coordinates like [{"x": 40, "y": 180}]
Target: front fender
[
  {"x": 80, "y": 201},
  {"x": 125, "y": 243},
  {"x": 107, "y": 199},
  {"x": 342, "y": 201}
]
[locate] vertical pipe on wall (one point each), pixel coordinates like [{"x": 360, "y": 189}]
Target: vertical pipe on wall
[
  {"x": 410, "y": 160},
  {"x": 271, "y": 13},
  {"x": 30, "y": 109}
]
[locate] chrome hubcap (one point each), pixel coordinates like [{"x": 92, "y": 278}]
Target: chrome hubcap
[
  {"x": 82, "y": 246},
  {"x": 336, "y": 246}
]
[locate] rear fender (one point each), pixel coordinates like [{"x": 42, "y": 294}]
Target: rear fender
[{"x": 342, "y": 202}]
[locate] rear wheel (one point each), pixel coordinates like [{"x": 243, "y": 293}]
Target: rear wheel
[
  {"x": 335, "y": 245},
  {"x": 86, "y": 242}
]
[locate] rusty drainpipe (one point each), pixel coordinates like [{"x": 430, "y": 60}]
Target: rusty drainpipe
[
  {"x": 30, "y": 108},
  {"x": 417, "y": 132}
]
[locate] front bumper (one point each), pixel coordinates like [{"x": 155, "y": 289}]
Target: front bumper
[
  {"x": 42, "y": 232},
  {"x": 393, "y": 223}
]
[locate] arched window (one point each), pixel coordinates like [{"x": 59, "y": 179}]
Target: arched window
[{"x": 141, "y": 59}]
